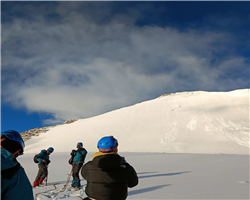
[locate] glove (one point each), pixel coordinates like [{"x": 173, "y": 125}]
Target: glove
[{"x": 70, "y": 161}]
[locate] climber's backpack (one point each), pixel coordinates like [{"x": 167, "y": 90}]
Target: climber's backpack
[{"x": 35, "y": 159}]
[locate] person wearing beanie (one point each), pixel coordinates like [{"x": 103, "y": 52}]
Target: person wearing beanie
[
  {"x": 108, "y": 175},
  {"x": 14, "y": 181},
  {"x": 77, "y": 160},
  {"x": 43, "y": 161}
]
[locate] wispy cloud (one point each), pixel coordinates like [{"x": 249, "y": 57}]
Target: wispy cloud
[{"x": 80, "y": 59}]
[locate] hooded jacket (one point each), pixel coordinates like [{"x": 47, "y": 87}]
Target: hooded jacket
[
  {"x": 14, "y": 181},
  {"x": 43, "y": 155},
  {"x": 108, "y": 177},
  {"x": 79, "y": 157}
]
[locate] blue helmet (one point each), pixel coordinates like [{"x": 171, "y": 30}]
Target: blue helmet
[
  {"x": 13, "y": 136},
  {"x": 51, "y": 149},
  {"x": 79, "y": 144},
  {"x": 107, "y": 144}
]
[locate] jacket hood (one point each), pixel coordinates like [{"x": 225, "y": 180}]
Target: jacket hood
[
  {"x": 102, "y": 154},
  {"x": 81, "y": 149},
  {"x": 7, "y": 160},
  {"x": 107, "y": 160},
  {"x": 44, "y": 151}
]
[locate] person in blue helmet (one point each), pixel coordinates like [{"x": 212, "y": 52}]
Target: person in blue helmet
[
  {"x": 43, "y": 161},
  {"x": 14, "y": 181},
  {"x": 77, "y": 159},
  {"x": 108, "y": 175}
]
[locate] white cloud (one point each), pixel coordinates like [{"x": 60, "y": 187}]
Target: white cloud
[{"x": 80, "y": 66}]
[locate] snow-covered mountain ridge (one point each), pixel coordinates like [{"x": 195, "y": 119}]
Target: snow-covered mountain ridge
[{"x": 186, "y": 122}]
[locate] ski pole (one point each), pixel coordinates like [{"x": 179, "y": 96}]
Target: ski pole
[{"x": 46, "y": 180}]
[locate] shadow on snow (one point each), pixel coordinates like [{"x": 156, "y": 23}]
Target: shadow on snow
[
  {"x": 130, "y": 193},
  {"x": 149, "y": 189},
  {"x": 168, "y": 174},
  {"x": 146, "y": 173}
]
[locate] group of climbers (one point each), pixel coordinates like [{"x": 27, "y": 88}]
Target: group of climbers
[
  {"x": 108, "y": 175},
  {"x": 76, "y": 160}
]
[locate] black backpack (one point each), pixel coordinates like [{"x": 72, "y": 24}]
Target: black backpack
[
  {"x": 73, "y": 153},
  {"x": 35, "y": 159}
]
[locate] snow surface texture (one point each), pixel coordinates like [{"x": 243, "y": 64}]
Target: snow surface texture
[
  {"x": 187, "y": 122},
  {"x": 161, "y": 176}
]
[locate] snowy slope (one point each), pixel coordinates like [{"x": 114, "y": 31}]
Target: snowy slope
[
  {"x": 161, "y": 176},
  {"x": 187, "y": 122}
]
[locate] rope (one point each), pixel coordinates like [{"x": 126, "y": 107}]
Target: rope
[
  {"x": 46, "y": 191},
  {"x": 79, "y": 197},
  {"x": 75, "y": 196},
  {"x": 62, "y": 190},
  {"x": 66, "y": 184}
]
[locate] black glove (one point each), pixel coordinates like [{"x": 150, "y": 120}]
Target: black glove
[{"x": 70, "y": 161}]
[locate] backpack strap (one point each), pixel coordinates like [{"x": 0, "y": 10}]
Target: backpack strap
[
  {"x": 9, "y": 173},
  {"x": 43, "y": 154},
  {"x": 84, "y": 150},
  {"x": 82, "y": 154}
]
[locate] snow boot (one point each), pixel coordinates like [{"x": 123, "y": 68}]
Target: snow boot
[
  {"x": 40, "y": 181},
  {"x": 75, "y": 188},
  {"x": 76, "y": 183},
  {"x": 35, "y": 184}
]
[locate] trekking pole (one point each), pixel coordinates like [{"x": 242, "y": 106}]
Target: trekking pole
[{"x": 46, "y": 180}]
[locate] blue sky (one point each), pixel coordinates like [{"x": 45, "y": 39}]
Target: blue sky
[{"x": 72, "y": 60}]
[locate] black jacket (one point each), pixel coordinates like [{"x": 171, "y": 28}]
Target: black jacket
[{"x": 108, "y": 177}]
